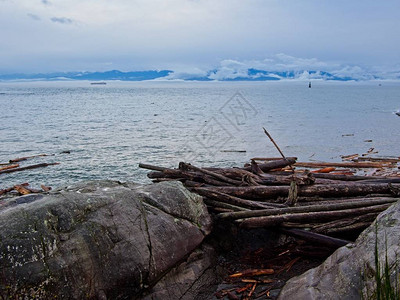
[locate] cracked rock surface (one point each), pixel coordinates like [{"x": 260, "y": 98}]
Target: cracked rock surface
[{"x": 99, "y": 239}]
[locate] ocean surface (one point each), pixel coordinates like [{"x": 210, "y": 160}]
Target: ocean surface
[{"x": 109, "y": 129}]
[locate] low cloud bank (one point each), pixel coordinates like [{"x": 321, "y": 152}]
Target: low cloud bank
[{"x": 277, "y": 67}]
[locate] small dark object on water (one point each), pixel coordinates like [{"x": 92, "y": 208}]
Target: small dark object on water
[
  {"x": 309, "y": 85},
  {"x": 398, "y": 113},
  {"x": 65, "y": 152}
]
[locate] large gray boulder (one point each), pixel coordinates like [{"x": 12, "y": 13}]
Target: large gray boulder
[
  {"x": 98, "y": 239},
  {"x": 349, "y": 272}
]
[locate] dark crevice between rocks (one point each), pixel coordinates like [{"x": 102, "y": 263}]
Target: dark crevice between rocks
[
  {"x": 243, "y": 249},
  {"x": 149, "y": 245}
]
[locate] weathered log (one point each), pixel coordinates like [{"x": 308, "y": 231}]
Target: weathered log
[
  {"x": 249, "y": 192},
  {"x": 22, "y": 190},
  {"x": 383, "y": 180},
  {"x": 352, "y": 227},
  {"x": 378, "y": 159},
  {"x": 301, "y": 178},
  {"x": 9, "y": 167},
  {"x": 271, "y": 158},
  {"x": 26, "y": 158},
  {"x": 304, "y": 178},
  {"x": 275, "y": 220},
  {"x": 155, "y": 180},
  {"x": 206, "y": 192},
  {"x": 332, "y": 226},
  {"x": 316, "y": 238},
  {"x": 28, "y": 167},
  {"x": 312, "y": 201},
  {"x": 45, "y": 188},
  {"x": 342, "y": 164},
  {"x": 233, "y": 173},
  {"x": 324, "y": 170},
  {"x": 214, "y": 203},
  {"x": 347, "y": 177},
  {"x": 152, "y": 167},
  {"x": 184, "y": 166},
  {"x": 192, "y": 176},
  {"x": 191, "y": 184},
  {"x": 310, "y": 208},
  {"x": 276, "y": 164},
  {"x": 337, "y": 190},
  {"x": 218, "y": 209}
]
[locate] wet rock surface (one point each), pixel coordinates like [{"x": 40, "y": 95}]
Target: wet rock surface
[{"x": 100, "y": 239}]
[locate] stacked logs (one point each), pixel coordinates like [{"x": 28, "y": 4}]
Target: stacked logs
[{"x": 311, "y": 203}]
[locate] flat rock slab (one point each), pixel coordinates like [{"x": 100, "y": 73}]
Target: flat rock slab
[
  {"x": 99, "y": 239},
  {"x": 349, "y": 272}
]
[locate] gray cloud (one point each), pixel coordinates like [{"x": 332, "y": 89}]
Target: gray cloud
[
  {"x": 62, "y": 20},
  {"x": 184, "y": 35},
  {"x": 33, "y": 17}
]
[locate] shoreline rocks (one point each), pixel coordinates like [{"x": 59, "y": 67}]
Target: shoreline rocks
[
  {"x": 99, "y": 239},
  {"x": 349, "y": 273}
]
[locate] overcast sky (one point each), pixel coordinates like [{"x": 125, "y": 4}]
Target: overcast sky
[{"x": 196, "y": 35}]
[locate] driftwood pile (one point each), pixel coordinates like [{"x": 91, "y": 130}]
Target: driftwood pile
[
  {"x": 14, "y": 166},
  {"x": 314, "y": 204}
]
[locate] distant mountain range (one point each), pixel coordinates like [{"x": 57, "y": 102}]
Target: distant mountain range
[{"x": 250, "y": 75}]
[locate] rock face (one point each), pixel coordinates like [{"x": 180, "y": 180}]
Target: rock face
[
  {"x": 349, "y": 272},
  {"x": 98, "y": 239}
]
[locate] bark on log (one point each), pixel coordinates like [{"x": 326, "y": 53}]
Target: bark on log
[
  {"x": 316, "y": 238},
  {"x": 324, "y": 170},
  {"x": 342, "y": 164},
  {"x": 151, "y": 167},
  {"x": 9, "y": 167},
  {"x": 184, "y": 166},
  {"x": 286, "y": 178},
  {"x": 311, "y": 201},
  {"x": 271, "y": 221},
  {"x": 341, "y": 223},
  {"x": 356, "y": 226},
  {"x": 224, "y": 205},
  {"x": 378, "y": 159},
  {"x": 271, "y": 158},
  {"x": 206, "y": 192},
  {"x": 192, "y": 176},
  {"x": 26, "y": 158},
  {"x": 337, "y": 190},
  {"x": 347, "y": 177},
  {"x": 274, "y": 164},
  {"x": 28, "y": 168},
  {"x": 304, "y": 209}
]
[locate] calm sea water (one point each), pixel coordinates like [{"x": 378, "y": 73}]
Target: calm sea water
[{"x": 110, "y": 128}]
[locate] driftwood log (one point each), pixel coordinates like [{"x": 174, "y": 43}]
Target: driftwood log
[
  {"x": 337, "y": 190},
  {"x": 28, "y": 167}
]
